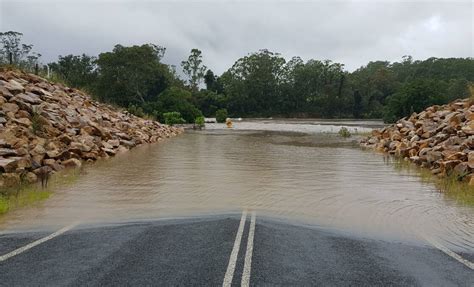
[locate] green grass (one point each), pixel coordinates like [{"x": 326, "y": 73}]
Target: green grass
[
  {"x": 29, "y": 194},
  {"x": 4, "y": 204},
  {"x": 24, "y": 196},
  {"x": 451, "y": 186}
]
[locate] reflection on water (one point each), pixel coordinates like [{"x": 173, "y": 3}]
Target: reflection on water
[{"x": 311, "y": 178}]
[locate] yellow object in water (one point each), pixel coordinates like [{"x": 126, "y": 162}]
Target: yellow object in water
[{"x": 228, "y": 122}]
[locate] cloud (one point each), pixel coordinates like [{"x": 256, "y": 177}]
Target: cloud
[{"x": 351, "y": 32}]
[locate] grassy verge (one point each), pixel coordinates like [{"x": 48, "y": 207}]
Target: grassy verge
[
  {"x": 450, "y": 186},
  {"x": 28, "y": 194}
]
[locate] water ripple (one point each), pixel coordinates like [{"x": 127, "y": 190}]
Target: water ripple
[{"x": 315, "y": 178}]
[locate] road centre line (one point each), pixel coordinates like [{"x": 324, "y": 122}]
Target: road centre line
[
  {"x": 248, "y": 254},
  {"x": 36, "y": 243},
  {"x": 229, "y": 274}
]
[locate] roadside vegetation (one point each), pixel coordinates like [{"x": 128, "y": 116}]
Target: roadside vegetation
[
  {"x": 173, "y": 118},
  {"x": 26, "y": 194},
  {"x": 451, "y": 185},
  {"x": 261, "y": 84}
]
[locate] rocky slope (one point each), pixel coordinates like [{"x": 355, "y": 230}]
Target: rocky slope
[
  {"x": 440, "y": 138},
  {"x": 45, "y": 127}
]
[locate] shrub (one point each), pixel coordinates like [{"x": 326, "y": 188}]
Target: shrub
[
  {"x": 221, "y": 115},
  {"x": 136, "y": 110},
  {"x": 36, "y": 123},
  {"x": 173, "y": 118},
  {"x": 344, "y": 132},
  {"x": 199, "y": 122},
  {"x": 177, "y": 100}
]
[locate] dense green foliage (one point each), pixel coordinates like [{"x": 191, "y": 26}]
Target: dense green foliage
[
  {"x": 261, "y": 84},
  {"x": 394, "y": 90},
  {"x": 76, "y": 71},
  {"x": 221, "y": 115},
  {"x": 132, "y": 75},
  {"x": 209, "y": 101},
  {"x": 176, "y": 100},
  {"x": 199, "y": 122},
  {"x": 173, "y": 118},
  {"x": 414, "y": 96},
  {"x": 264, "y": 84}
]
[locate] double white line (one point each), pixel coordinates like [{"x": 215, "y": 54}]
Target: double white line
[{"x": 229, "y": 274}]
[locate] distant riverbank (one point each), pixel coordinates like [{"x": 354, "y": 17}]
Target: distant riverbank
[{"x": 307, "y": 125}]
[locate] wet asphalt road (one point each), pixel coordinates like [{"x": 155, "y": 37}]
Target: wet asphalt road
[{"x": 196, "y": 252}]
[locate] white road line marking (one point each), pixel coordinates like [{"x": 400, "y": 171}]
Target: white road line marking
[
  {"x": 248, "y": 254},
  {"x": 450, "y": 253},
  {"x": 36, "y": 243},
  {"x": 235, "y": 251}
]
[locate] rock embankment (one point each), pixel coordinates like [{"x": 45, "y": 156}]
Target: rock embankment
[
  {"x": 45, "y": 127},
  {"x": 440, "y": 138}
]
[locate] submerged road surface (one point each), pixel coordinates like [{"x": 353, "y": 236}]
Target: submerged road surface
[{"x": 226, "y": 250}]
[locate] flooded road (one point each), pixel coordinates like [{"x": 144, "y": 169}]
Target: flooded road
[{"x": 310, "y": 177}]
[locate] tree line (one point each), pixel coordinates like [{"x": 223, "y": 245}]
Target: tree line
[{"x": 261, "y": 84}]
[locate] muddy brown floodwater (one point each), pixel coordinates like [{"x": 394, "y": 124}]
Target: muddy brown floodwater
[{"x": 311, "y": 177}]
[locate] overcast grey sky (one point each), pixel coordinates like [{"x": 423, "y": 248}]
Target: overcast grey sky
[{"x": 351, "y": 32}]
